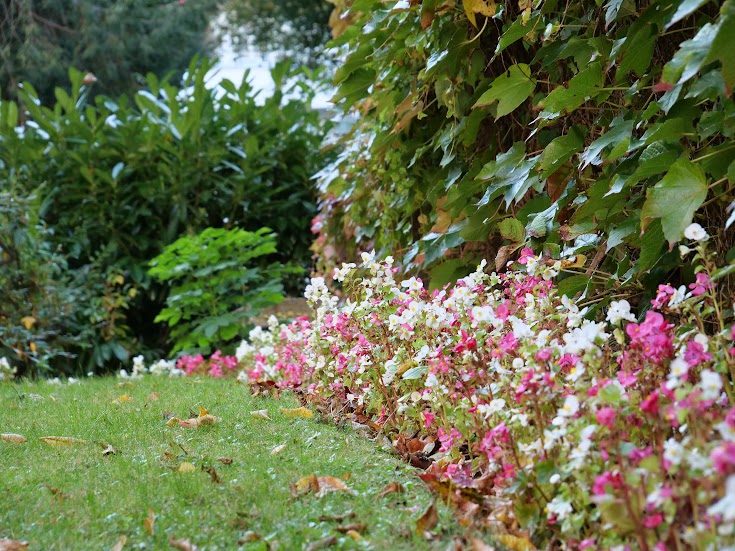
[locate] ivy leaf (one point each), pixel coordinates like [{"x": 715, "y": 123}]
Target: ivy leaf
[
  {"x": 691, "y": 56},
  {"x": 620, "y": 131},
  {"x": 515, "y": 32},
  {"x": 560, "y": 150},
  {"x": 512, "y": 230},
  {"x": 723, "y": 46},
  {"x": 584, "y": 85},
  {"x": 675, "y": 199},
  {"x": 686, "y": 8},
  {"x": 510, "y": 90}
]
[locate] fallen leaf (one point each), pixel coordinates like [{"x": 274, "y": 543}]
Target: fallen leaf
[
  {"x": 321, "y": 544},
  {"x": 58, "y": 441},
  {"x": 125, "y": 384},
  {"x": 60, "y": 496},
  {"x": 12, "y": 545},
  {"x": 515, "y": 543},
  {"x": 28, "y": 322},
  {"x": 479, "y": 545},
  {"x": 109, "y": 450},
  {"x": 13, "y": 438},
  {"x": 337, "y": 518},
  {"x": 297, "y": 412},
  {"x": 278, "y": 449},
  {"x": 392, "y": 488},
  {"x": 260, "y": 414},
  {"x": 205, "y": 419},
  {"x": 321, "y": 485},
  {"x": 358, "y": 527},
  {"x": 186, "y": 467},
  {"x": 182, "y": 545},
  {"x": 214, "y": 476},
  {"x": 122, "y": 399},
  {"x": 148, "y": 522},
  {"x": 152, "y": 397},
  {"x": 346, "y": 477},
  {"x": 428, "y": 520},
  {"x": 225, "y": 460},
  {"x": 355, "y": 535},
  {"x": 249, "y": 537},
  {"x": 173, "y": 421},
  {"x": 120, "y": 544}
]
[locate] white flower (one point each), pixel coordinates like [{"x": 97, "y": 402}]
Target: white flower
[
  {"x": 555, "y": 478},
  {"x": 482, "y": 313},
  {"x": 678, "y": 297},
  {"x": 695, "y": 232},
  {"x": 711, "y": 384},
  {"x": 569, "y": 409},
  {"x": 559, "y": 507},
  {"x": 619, "y": 310},
  {"x": 726, "y": 506},
  {"x": 412, "y": 284},
  {"x": 495, "y": 406},
  {"x": 674, "y": 452}
]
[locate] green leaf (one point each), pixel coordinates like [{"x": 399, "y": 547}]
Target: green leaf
[
  {"x": 572, "y": 285},
  {"x": 447, "y": 272},
  {"x": 583, "y": 86},
  {"x": 691, "y": 56},
  {"x": 686, "y": 8},
  {"x": 675, "y": 198},
  {"x": 560, "y": 150},
  {"x": 723, "y": 46},
  {"x": 652, "y": 242},
  {"x": 619, "y": 132},
  {"x": 512, "y": 230},
  {"x": 510, "y": 90},
  {"x": 515, "y": 32},
  {"x": 415, "y": 372}
]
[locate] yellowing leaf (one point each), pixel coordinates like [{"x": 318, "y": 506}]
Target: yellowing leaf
[
  {"x": 260, "y": 414},
  {"x": 122, "y": 398},
  {"x": 297, "y": 412},
  {"x": 148, "y": 522},
  {"x": 278, "y": 449},
  {"x": 13, "y": 438},
  {"x": 152, "y": 397},
  {"x": 483, "y": 7},
  {"x": 33, "y": 346},
  {"x": 28, "y": 322},
  {"x": 173, "y": 421},
  {"x": 321, "y": 485},
  {"x": 515, "y": 543},
  {"x": 186, "y": 467},
  {"x": 59, "y": 441},
  {"x": 354, "y": 534},
  {"x": 202, "y": 411}
]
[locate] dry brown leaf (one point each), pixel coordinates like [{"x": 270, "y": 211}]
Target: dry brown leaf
[
  {"x": 153, "y": 396},
  {"x": 392, "y": 488},
  {"x": 479, "y": 545},
  {"x": 12, "y": 545},
  {"x": 260, "y": 414},
  {"x": 120, "y": 544},
  {"x": 297, "y": 412},
  {"x": 149, "y": 521},
  {"x": 337, "y": 518},
  {"x": 58, "y": 441},
  {"x": 321, "y": 544},
  {"x": 225, "y": 460},
  {"x": 328, "y": 484},
  {"x": 214, "y": 476},
  {"x": 122, "y": 399},
  {"x": 125, "y": 384},
  {"x": 182, "y": 544},
  {"x": 354, "y": 534},
  {"x": 249, "y": 537},
  {"x": 358, "y": 527},
  {"x": 13, "y": 438},
  {"x": 109, "y": 450},
  {"x": 278, "y": 449},
  {"x": 428, "y": 520},
  {"x": 515, "y": 543},
  {"x": 186, "y": 467}
]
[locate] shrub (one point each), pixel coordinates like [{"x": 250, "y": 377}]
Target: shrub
[
  {"x": 593, "y": 128},
  {"x": 532, "y": 420},
  {"x": 117, "y": 181},
  {"x": 215, "y": 285}
]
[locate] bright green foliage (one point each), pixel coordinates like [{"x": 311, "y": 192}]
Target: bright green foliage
[
  {"x": 215, "y": 287},
  {"x": 603, "y": 127},
  {"x": 119, "y": 41},
  {"x": 118, "y": 181}
]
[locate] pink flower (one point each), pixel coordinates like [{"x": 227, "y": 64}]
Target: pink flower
[
  {"x": 606, "y": 416},
  {"x": 428, "y": 418},
  {"x": 627, "y": 379},
  {"x": 508, "y": 343},
  {"x": 526, "y": 253},
  {"x": 695, "y": 354},
  {"x": 650, "y": 404},
  {"x": 723, "y": 458},
  {"x": 701, "y": 285},
  {"x": 604, "y": 480},
  {"x": 652, "y": 521}
]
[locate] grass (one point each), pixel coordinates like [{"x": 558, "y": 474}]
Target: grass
[{"x": 73, "y": 497}]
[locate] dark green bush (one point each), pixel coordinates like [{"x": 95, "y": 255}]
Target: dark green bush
[
  {"x": 117, "y": 181},
  {"x": 214, "y": 287}
]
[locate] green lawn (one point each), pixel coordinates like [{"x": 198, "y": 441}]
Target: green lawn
[{"x": 74, "y": 497}]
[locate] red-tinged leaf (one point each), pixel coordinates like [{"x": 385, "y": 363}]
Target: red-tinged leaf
[
  {"x": 662, "y": 87},
  {"x": 149, "y": 521}
]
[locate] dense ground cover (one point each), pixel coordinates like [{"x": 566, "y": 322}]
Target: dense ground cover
[{"x": 73, "y": 496}]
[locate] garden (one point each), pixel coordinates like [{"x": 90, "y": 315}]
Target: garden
[{"x": 513, "y": 239}]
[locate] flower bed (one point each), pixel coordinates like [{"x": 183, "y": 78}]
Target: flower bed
[{"x": 532, "y": 420}]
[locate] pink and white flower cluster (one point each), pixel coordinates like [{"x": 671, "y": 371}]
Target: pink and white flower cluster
[{"x": 616, "y": 434}]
